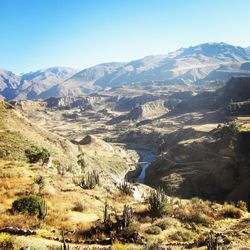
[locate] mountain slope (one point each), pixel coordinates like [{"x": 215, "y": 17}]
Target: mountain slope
[
  {"x": 204, "y": 63},
  {"x": 34, "y": 83},
  {"x": 213, "y": 163},
  {"x": 8, "y": 83},
  {"x": 248, "y": 50},
  {"x": 190, "y": 65},
  {"x": 236, "y": 90},
  {"x": 81, "y": 82},
  {"x": 17, "y": 133}
]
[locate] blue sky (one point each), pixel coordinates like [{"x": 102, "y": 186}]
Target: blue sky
[{"x": 38, "y": 34}]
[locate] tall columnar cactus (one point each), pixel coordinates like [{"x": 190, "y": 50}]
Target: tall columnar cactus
[
  {"x": 43, "y": 209},
  {"x": 212, "y": 241},
  {"x": 96, "y": 177},
  {"x": 127, "y": 215},
  {"x": 106, "y": 217},
  {"x": 87, "y": 181}
]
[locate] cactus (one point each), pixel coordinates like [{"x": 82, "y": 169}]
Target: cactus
[
  {"x": 127, "y": 215},
  {"x": 96, "y": 177},
  {"x": 106, "y": 217},
  {"x": 43, "y": 210},
  {"x": 158, "y": 204},
  {"x": 125, "y": 188},
  {"x": 105, "y": 213},
  {"x": 87, "y": 181},
  {"x": 64, "y": 245},
  {"x": 212, "y": 241},
  {"x": 81, "y": 162}
]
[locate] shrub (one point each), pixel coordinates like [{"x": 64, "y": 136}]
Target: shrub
[
  {"x": 228, "y": 128},
  {"x": 196, "y": 211},
  {"x": 6, "y": 241},
  {"x": 131, "y": 229},
  {"x": 29, "y": 204},
  {"x": 201, "y": 218},
  {"x": 35, "y": 154},
  {"x": 163, "y": 224},
  {"x": 154, "y": 245},
  {"x": 79, "y": 207},
  {"x": 39, "y": 180},
  {"x": 158, "y": 204},
  {"x": 119, "y": 246},
  {"x": 230, "y": 211},
  {"x": 182, "y": 235},
  {"x": 233, "y": 107},
  {"x": 154, "y": 230},
  {"x": 81, "y": 162},
  {"x": 191, "y": 215},
  {"x": 32, "y": 205},
  {"x": 242, "y": 205},
  {"x": 55, "y": 163},
  {"x": 146, "y": 219}
]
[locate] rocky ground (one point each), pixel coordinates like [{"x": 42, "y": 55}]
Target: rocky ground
[{"x": 194, "y": 158}]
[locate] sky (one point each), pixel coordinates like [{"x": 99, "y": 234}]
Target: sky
[{"x": 37, "y": 34}]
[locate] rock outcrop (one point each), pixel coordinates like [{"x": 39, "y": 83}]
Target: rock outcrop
[
  {"x": 148, "y": 110},
  {"x": 235, "y": 90},
  {"x": 207, "y": 166}
]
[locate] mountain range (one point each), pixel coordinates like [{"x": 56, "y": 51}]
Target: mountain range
[{"x": 204, "y": 63}]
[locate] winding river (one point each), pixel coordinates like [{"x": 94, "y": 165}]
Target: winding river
[{"x": 146, "y": 158}]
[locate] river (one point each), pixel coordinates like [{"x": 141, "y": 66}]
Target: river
[{"x": 146, "y": 158}]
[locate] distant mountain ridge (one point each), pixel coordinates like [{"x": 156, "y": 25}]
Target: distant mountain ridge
[
  {"x": 206, "y": 62},
  {"x": 34, "y": 83},
  {"x": 248, "y": 50},
  {"x": 30, "y": 85},
  {"x": 8, "y": 83}
]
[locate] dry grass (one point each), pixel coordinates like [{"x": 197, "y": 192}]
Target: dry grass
[
  {"x": 155, "y": 230},
  {"x": 166, "y": 223},
  {"x": 196, "y": 211},
  {"x": 242, "y": 205},
  {"x": 230, "y": 211},
  {"x": 182, "y": 235},
  {"x": 119, "y": 246},
  {"x": 60, "y": 204},
  {"x": 22, "y": 221},
  {"x": 71, "y": 208},
  {"x": 17, "y": 134},
  {"x": 79, "y": 206}
]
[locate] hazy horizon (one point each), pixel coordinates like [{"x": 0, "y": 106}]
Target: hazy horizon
[{"x": 81, "y": 34}]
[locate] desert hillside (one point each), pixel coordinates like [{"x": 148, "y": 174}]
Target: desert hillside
[
  {"x": 124, "y": 125},
  {"x": 112, "y": 171}
]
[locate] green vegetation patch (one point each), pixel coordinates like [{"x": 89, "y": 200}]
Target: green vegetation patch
[
  {"x": 35, "y": 154},
  {"x": 6, "y": 241},
  {"x": 32, "y": 205}
]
